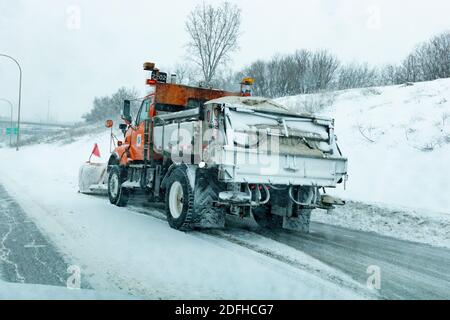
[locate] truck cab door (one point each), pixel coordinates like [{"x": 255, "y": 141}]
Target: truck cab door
[{"x": 137, "y": 138}]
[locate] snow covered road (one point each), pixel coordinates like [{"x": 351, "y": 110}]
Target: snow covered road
[
  {"x": 119, "y": 250},
  {"x": 26, "y": 256},
  {"x": 408, "y": 270}
]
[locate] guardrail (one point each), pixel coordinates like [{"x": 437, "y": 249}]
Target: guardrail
[{"x": 43, "y": 124}]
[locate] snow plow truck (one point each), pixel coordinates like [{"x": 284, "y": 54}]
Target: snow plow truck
[{"x": 209, "y": 153}]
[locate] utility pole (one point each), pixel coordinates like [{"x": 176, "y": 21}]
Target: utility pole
[
  {"x": 20, "y": 96},
  {"x": 48, "y": 111}
]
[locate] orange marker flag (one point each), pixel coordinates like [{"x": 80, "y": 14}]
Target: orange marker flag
[{"x": 95, "y": 152}]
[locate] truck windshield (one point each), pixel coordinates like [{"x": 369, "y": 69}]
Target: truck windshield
[{"x": 143, "y": 113}]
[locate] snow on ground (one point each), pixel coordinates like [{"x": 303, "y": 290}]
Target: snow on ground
[
  {"x": 19, "y": 291},
  {"x": 397, "y": 140},
  {"x": 118, "y": 249},
  {"x": 401, "y": 223}
]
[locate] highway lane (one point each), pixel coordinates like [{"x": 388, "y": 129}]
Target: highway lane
[{"x": 407, "y": 270}]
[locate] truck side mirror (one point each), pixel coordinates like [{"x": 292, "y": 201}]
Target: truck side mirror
[
  {"x": 126, "y": 112},
  {"x": 123, "y": 127}
]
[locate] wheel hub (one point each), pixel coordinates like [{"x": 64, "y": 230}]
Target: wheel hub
[
  {"x": 114, "y": 186},
  {"x": 176, "y": 200}
]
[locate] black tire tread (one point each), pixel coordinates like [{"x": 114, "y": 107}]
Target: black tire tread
[
  {"x": 124, "y": 194},
  {"x": 185, "y": 222}
]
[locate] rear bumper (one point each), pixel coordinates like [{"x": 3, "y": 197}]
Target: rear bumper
[{"x": 248, "y": 166}]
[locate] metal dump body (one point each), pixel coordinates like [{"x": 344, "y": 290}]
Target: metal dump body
[{"x": 287, "y": 148}]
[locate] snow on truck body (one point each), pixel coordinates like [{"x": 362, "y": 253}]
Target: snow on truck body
[{"x": 224, "y": 153}]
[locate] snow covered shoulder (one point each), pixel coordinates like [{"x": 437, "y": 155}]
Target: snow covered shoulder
[{"x": 398, "y": 143}]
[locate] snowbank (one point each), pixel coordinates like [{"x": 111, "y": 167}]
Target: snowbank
[
  {"x": 397, "y": 140},
  {"x": 406, "y": 224}
]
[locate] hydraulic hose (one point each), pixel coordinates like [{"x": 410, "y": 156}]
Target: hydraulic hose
[
  {"x": 267, "y": 193},
  {"x": 266, "y": 190},
  {"x": 310, "y": 198}
]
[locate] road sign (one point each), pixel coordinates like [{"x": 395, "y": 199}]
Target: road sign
[{"x": 12, "y": 131}]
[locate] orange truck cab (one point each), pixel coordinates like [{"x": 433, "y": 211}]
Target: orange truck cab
[{"x": 163, "y": 98}]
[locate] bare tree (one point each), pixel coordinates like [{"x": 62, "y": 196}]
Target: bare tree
[
  {"x": 110, "y": 107},
  {"x": 391, "y": 74},
  {"x": 411, "y": 69},
  {"x": 214, "y": 33},
  {"x": 227, "y": 79},
  {"x": 323, "y": 69},
  {"x": 301, "y": 72},
  {"x": 440, "y": 54},
  {"x": 186, "y": 74},
  {"x": 355, "y": 75},
  {"x": 430, "y": 61},
  {"x": 303, "y": 64}
]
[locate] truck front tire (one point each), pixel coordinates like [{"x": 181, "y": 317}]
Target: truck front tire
[{"x": 117, "y": 194}]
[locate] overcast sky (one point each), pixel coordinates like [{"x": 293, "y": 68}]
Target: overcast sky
[{"x": 72, "y": 51}]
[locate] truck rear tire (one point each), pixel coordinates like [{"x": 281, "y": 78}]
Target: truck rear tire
[
  {"x": 179, "y": 200},
  {"x": 117, "y": 195}
]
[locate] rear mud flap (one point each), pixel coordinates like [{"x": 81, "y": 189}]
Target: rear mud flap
[
  {"x": 209, "y": 218},
  {"x": 300, "y": 223},
  {"x": 207, "y": 215}
]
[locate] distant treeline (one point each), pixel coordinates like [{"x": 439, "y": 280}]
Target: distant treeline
[
  {"x": 312, "y": 71},
  {"x": 110, "y": 107},
  {"x": 304, "y": 72}
]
